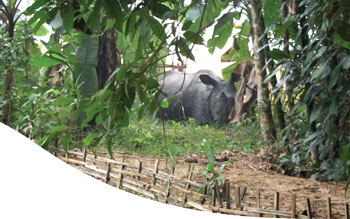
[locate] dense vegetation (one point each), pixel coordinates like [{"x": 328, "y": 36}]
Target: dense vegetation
[{"x": 99, "y": 71}]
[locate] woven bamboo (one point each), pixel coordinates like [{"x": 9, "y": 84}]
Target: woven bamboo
[{"x": 158, "y": 180}]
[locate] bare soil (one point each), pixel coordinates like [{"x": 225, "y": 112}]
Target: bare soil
[{"x": 255, "y": 171}]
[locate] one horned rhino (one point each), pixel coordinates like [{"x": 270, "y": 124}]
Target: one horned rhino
[{"x": 202, "y": 95}]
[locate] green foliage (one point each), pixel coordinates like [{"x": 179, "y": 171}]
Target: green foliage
[{"x": 316, "y": 76}]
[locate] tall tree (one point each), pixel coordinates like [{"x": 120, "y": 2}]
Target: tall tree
[
  {"x": 264, "y": 106},
  {"x": 9, "y": 11}
]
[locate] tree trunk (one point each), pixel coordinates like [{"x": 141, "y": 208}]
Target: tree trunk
[
  {"x": 54, "y": 74},
  {"x": 246, "y": 92},
  {"x": 108, "y": 59},
  {"x": 7, "y": 108},
  {"x": 264, "y": 106}
]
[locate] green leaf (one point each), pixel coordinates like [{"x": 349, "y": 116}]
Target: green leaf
[
  {"x": 42, "y": 31},
  {"x": 43, "y": 61},
  {"x": 278, "y": 54},
  {"x": 271, "y": 11},
  {"x": 59, "y": 56},
  {"x": 109, "y": 25},
  {"x": 159, "y": 9},
  {"x": 318, "y": 73},
  {"x": 85, "y": 66},
  {"x": 194, "y": 12},
  {"x": 185, "y": 50},
  {"x": 335, "y": 73},
  {"x": 339, "y": 41},
  {"x": 211, "y": 160},
  {"x": 68, "y": 18},
  {"x": 42, "y": 13},
  {"x": 45, "y": 142},
  {"x": 316, "y": 112},
  {"x": 344, "y": 31},
  {"x": 333, "y": 109},
  {"x": 57, "y": 22},
  {"x": 193, "y": 37},
  {"x": 222, "y": 31},
  {"x": 151, "y": 83},
  {"x": 37, "y": 4},
  {"x": 65, "y": 140},
  {"x": 121, "y": 73},
  {"x": 89, "y": 138},
  {"x": 58, "y": 128},
  {"x": 164, "y": 103},
  {"x": 280, "y": 29},
  {"x": 109, "y": 145},
  {"x": 114, "y": 10},
  {"x": 226, "y": 72},
  {"x": 157, "y": 28}
]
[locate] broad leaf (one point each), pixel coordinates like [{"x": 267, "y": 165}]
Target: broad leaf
[
  {"x": 68, "y": 18},
  {"x": 85, "y": 66},
  {"x": 43, "y": 61},
  {"x": 221, "y": 32}
]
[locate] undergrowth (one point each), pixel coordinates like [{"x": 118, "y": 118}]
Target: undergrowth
[{"x": 146, "y": 137}]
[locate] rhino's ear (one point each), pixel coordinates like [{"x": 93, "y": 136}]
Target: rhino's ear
[
  {"x": 234, "y": 78},
  {"x": 206, "y": 79}
]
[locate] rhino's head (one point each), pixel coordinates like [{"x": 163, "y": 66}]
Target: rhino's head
[{"x": 222, "y": 96}]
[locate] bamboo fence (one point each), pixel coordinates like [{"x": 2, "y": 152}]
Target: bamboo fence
[{"x": 156, "y": 180}]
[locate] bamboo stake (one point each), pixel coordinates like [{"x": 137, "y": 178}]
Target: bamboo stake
[
  {"x": 347, "y": 211},
  {"x": 84, "y": 155},
  {"x": 277, "y": 202},
  {"x": 169, "y": 184},
  {"x": 329, "y": 208},
  {"x": 258, "y": 204},
  {"x": 308, "y": 206},
  {"x": 139, "y": 169},
  {"x": 205, "y": 190},
  {"x": 214, "y": 196},
  {"x": 293, "y": 212},
  {"x": 190, "y": 172},
  {"x": 156, "y": 166},
  {"x": 238, "y": 197},
  {"x": 228, "y": 194},
  {"x": 217, "y": 192},
  {"x": 243, "y": 192},
  {"x": 119, "y": 183},
  {"x": 107, "y": 173},
  {"x": 56, "y": 146}
]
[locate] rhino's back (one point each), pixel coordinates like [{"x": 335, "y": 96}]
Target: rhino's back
[{"x": 175, "y": 83}]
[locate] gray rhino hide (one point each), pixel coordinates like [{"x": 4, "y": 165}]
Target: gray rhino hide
[{"x": 202, "y": 95}]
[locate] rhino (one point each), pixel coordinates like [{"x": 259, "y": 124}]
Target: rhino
[{"x": 203, "y": 96}]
